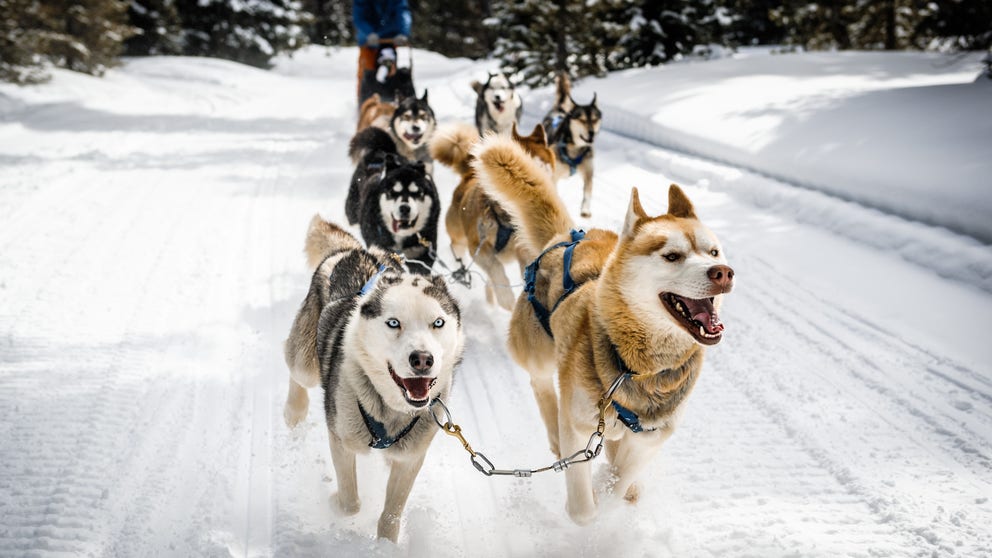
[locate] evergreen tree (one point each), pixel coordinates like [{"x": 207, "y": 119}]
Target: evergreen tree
[
  {"x": 331, "y": 22},
  {"x": 653, "y": 33},
  {"x": 956, "y": 25},
  {"x": 159, "y": 29},
  {"x": 816, "y": 25},
  {"x": 20, "y": 42},
  {"x": 452, "y": 28},
  {"x": 83, "y": 35},
  {"x": 749, "y": 22},
  {"x": 250, "y": 32}
]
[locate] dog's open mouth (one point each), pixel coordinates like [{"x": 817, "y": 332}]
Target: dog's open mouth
[
  {"x": 413, "y": 138},
  {"x": 400, "y": 224},
  {"x": 416, "y": 390},
  {"x": 697, "y": 316},
  {"x": 499, "y": 106}
]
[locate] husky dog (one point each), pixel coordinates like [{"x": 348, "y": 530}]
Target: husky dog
[
  {"x": 642, "y": 304},
  {"x": 394, "y": 201},
  {"x": 478, "y": 226},
  {"x": 410, "y": 122},
  {"x": 383, "y": 343},
  {"x": 498, "y": 106},
  {"x": 571, "y": 130}
]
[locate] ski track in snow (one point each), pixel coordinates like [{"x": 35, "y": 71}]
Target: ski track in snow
[{"x": 145, "y": 292}]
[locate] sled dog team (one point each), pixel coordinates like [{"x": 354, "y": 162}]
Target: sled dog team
[{"x": 382, "y": 334}]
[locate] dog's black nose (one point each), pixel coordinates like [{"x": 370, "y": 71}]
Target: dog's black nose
[
  {"x": 404, "y": 210},
  {"x": 421, "y": 361},
  {"x": 415, "y": 129}
]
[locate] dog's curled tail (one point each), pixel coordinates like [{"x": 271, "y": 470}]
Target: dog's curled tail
[
  {"x": 511, "y": 177},
  {"x": 325, "y": 238},
  {"x": 370, "y": 140},
  {"x": 452, "y": 146}
]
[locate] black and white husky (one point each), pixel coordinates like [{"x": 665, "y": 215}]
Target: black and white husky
[
  {"x": 571, "y": 129},
  {"x": 412, "y": 125},
  {"x": 498, "y": 105},
  {"x": 393, "y": 201},
  {"x": 383, "y": 343}
]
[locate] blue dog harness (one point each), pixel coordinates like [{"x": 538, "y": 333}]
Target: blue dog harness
[
  {"x": 567, "y": 283},
  {"x": 380, "y": 438},
  {"x": 627, "y": 417}
]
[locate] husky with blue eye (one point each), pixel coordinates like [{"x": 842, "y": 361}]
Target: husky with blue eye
[{"x": 383, "y": 343}]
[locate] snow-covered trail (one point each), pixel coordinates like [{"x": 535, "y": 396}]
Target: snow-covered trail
[{"x": 151, "y": 266}]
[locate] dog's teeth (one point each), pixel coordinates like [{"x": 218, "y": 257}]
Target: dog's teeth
[{"x": 702, "y": 331}]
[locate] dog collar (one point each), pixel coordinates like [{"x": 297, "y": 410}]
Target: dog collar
[
  {"x": 380, "y": 438},
  {"x": 626, "y": 416}
]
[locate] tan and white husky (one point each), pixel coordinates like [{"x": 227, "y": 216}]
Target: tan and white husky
[{"x": 645, "y": 304}]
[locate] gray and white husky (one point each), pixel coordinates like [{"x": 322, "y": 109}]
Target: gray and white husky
[
  {"x": 498, "y": 105},
  {"x": 383, "y": 343}
]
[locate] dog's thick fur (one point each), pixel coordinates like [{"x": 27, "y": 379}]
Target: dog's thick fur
[
  {"x": 394, "y": 201},
  {"x": 571, "y": 129},
  {"x": 625, "y": 308},
  {"x": 498, "y": 105},
  {"x": 346, "y": 342},
  {"x": 473, "y": 219},
  {"x": 410, "y": 122}
]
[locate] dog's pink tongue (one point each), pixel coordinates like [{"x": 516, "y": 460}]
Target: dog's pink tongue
[
  {"x": 417, "y": 388},
  {"x": 703, "y": 312}
]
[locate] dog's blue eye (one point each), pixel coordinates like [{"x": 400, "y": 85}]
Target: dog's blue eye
[
  {"x": 673, "y": 257},
  {"x": 393, "y": 323},
  {"x": 439, "y": 323},
  {"x": 714, "y": 252}
]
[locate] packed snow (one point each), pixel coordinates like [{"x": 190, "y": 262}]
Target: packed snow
[{"x": 151, "y": 240}]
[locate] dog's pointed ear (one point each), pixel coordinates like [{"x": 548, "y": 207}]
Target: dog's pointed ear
[
  {"x": 477, "y": 87},
  {"x": 514, "y": 134},
  {"x": 635, "y": 212},
  {"x": 593, "y": 103},
  {"x": 538, "y": 135},
  {"x": 679, "y": 204},
  {"x": 424, "y": 98}
]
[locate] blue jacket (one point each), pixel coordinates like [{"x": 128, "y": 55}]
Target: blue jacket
[{"x": 387, "y": 18}]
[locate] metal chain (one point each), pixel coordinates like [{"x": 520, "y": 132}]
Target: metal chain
[{"x": 482, "y": 463}]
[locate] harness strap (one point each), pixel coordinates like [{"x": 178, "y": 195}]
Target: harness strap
[
  {"x": 627, "y": 417},
  {"x": 368, "y": 286},
  {"x": 568, "y": 284},
  {"x": 572, "y": 163},
  {"x": 381, "y": 438},
  {"x": 503, "y": 234}
]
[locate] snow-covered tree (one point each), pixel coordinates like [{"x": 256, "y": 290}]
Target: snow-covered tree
[
  {"x": 652, "y": 33},
  {"x": 249, "y": 31},
  {"x": 20, "y": 42},
  {"x": 331, "y": 22},
  {"x": 159, "y": 28}
]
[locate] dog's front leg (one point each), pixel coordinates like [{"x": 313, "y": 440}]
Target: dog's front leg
[
  {"x": 631, "y": 455},
  {"x": 402, "y": 473},
  {"x": 586, "y": 170},
  {"x": 344, "y": 469},
  {"x": 581, "y": 502}
]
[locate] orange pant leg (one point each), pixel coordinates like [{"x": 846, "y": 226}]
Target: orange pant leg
[{"x": 366, "y": 61}]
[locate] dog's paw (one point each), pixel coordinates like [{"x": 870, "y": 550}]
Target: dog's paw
[
  {"x": 633, "y": 493},
  {"x": 581, "y": 514},
  {"x": 389, "y": 527},
  {"x": 294, "y": 415},
  {"x": 585, "y": 213},
  {"x": 349, "y": 506}
]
